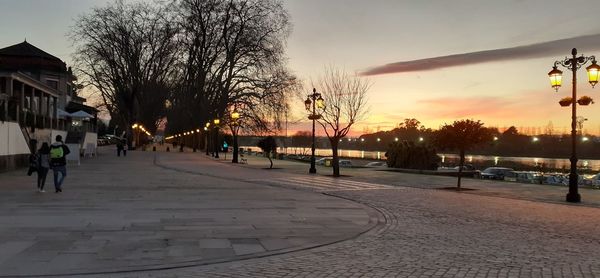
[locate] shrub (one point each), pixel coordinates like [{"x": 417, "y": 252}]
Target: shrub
[{"x": 409, "y": 155}]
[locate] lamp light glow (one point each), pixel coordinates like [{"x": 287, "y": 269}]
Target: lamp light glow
[
  {"x": 320, "y": 103},
  {"x": 555, "y": 78},
  {"x": 593, "y": 71}
]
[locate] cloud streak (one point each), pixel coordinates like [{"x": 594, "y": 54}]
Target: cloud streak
[{"x": 538, "y": 50}]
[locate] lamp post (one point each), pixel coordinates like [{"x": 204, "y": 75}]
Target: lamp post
[
  {"x": 216, "y": 122},
  {"x": 206, "y": 142},
  {"x": 136, "y": 135},
  {"x": 235, "y": 116},
  {"x": 197, "y": 145},
  {"x": 574, "y": 63},
  {"x": 207, "y": 131},
  {"x": 313, "y": 101}
]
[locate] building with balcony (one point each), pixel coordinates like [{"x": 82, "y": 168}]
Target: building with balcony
[{"x": 38, "y": 100}]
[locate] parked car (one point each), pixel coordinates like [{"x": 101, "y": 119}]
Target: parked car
[
  {"x": 554, "y": 179},
  {"x": 102, "y": 142},
  {"x": 495, "y": 173},
  {"x": 323, "y": 160},
  {"x": 376, "y": 164},
  {"x": 591, "y": 180},
  {"x": 523, "y": 176},
  {"x": 345, "y": 163},
  {"x": 466, "y": 167}
]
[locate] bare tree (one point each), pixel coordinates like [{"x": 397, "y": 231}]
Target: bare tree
[
  {"x": 233, "y": 56},
  {"x": 345, "y": 98},
  {"x": 127, "y": 51}
]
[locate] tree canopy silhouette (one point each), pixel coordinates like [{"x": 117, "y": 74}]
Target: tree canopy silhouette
[
  {"x": 462, "y": 136},
  {"x": 269, "y": 146}
]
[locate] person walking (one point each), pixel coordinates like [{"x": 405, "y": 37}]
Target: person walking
[
  {"x": 120, "y": 148},
  {"x": 124, "y": 144},
  {"x": 58, "y": 162},
  {"x": 43, "y": 166}
]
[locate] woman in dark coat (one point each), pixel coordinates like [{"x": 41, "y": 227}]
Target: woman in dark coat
[{"x": 43, "y": 166}]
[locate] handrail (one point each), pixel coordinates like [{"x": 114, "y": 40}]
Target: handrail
[{"x": 27, "y": 137}]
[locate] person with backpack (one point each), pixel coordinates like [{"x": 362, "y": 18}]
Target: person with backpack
[
  {"x": 43, "y": 165},
  {"x": 58, "y": 162}
]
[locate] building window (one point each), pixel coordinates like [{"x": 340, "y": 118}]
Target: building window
[{"x": 52, "y": 83}]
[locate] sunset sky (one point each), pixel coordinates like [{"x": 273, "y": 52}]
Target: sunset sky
[{"x": 505, "y": 85}]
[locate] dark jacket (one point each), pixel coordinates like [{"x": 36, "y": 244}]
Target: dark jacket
[{"x": 61, "y": 161}]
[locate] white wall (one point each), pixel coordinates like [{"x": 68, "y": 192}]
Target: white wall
[
  {"x": 41, "y": 135},
  {"x": 12, "y": 140},
  {"x": 90, "y": 138},
  {"x": 47, "y": 135}
]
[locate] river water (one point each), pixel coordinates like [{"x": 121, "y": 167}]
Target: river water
[{"x": 553, "y": 163}]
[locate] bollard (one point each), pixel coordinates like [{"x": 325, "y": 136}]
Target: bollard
[
  {"x": 154, "y": 148},
  {"x": 168, "y": 149}
]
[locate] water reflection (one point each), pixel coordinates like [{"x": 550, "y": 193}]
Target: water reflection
[{"x": 554, "y": 163}]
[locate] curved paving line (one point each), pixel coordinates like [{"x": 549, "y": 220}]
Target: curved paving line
[{"x": 379, "y": 220}]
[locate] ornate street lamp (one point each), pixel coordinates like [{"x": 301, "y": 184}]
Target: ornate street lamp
[
  {"x": 216, "y": 122},
  {"x": 136, "y": 134},
  {"x": 207, "y": 131},
  {"x": 312, "y": 102},
  {"x": 197, "y": 145},
  {"x": 235, "y": 125},
  {"x": 574, "y": 63}
]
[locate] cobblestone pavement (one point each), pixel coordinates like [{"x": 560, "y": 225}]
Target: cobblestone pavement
[
  {"x": 513, "y": 190},
  {"x": 436, "y": 233}
]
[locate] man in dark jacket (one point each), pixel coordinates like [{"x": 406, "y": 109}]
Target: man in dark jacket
[{"x": 58, "y": 162}]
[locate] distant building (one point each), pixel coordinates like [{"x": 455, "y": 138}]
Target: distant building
[{"x": 38, "y": 101}]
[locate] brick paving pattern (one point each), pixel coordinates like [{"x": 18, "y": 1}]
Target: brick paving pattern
[
  {"x": 434, "y": 233},
  {"x": 426, "y": 233}
]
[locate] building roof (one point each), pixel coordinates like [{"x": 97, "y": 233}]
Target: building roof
[
  {"x": 26, "y": 49},
  {"x": 25, "y": 56},
  {"x": 74, "y": 107}
]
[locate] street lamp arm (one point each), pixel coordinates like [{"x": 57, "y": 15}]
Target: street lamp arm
[{"x": 579, "y": 61}]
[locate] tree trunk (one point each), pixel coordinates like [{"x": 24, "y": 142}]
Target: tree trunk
[
  {"x": 460, "y": 167},
  {"x": 235, "y": 148},
  {"x": 335, "y": 163},
  {"x": 270, "y": 160}
]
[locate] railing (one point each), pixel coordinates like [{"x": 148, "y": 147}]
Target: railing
[{"x": 28, "y": 138}]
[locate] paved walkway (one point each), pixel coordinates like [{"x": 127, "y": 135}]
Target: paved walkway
[
  {"x": 421, "y": 232},
  {"x": 434, "y": 233},
  {"x": 127, "y": 214},
  {"x": 513, "y": 190}
]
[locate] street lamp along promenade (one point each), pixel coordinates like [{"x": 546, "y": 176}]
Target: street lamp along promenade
[
  {"x": 312, "y": 102},
  {"x": 216, "y": 122},
  {"x": 207, "y": 131},
  {"x": 235, "y": 125},
  {"x": 574, "y": 63}
]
